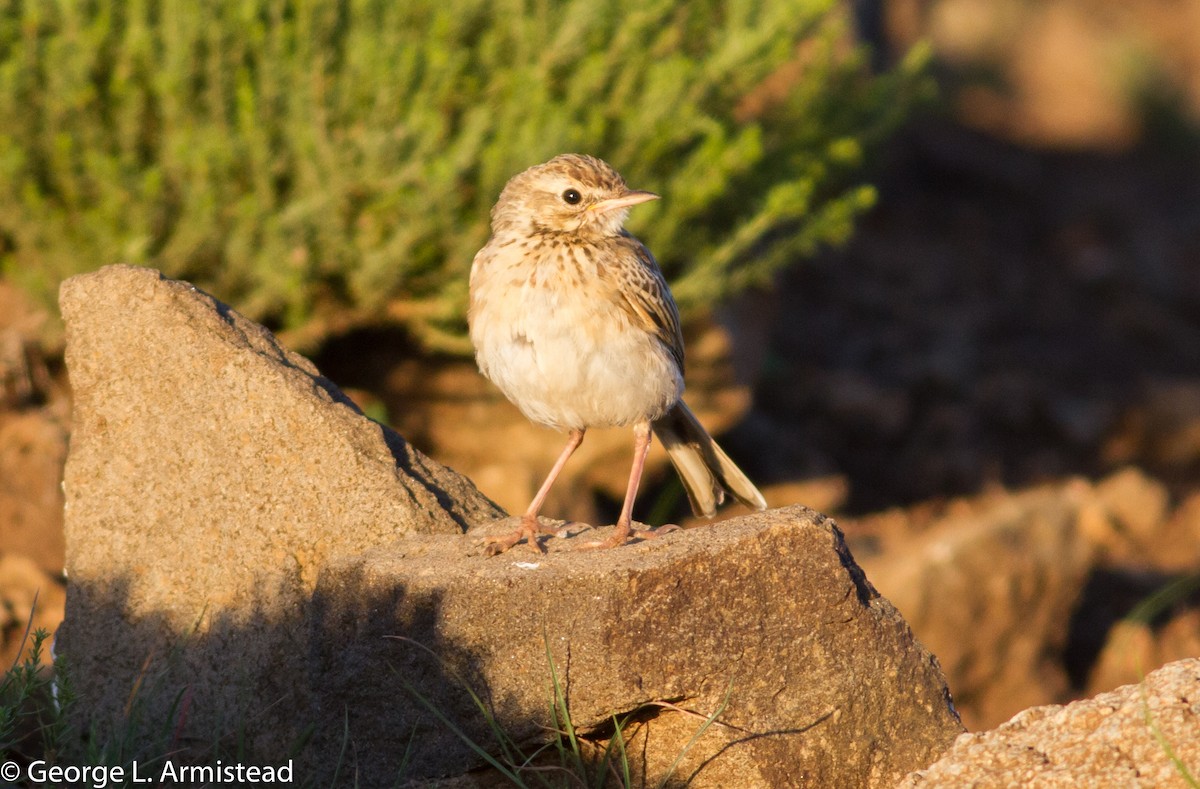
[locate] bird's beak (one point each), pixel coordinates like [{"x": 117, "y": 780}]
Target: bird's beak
[{"x": 624, "y": 201}]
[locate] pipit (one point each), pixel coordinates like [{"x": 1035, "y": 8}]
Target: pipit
[{"x": 571, "y": 318}]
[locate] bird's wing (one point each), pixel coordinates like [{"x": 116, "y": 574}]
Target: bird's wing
[{"x": 647, "y": 298}]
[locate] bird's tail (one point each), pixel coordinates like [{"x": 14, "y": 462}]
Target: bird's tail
[{"x": 706, "y": 471}]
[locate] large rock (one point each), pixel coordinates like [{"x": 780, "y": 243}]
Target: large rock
[
  {"x": 1131, "y": 736},
  {"x": 991, "y": 590},
  {"x": 211, "y": 475},
  {"x": 258, "y": 560},
  {"x": 826, "y": 685}
]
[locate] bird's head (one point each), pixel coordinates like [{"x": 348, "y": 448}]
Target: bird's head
[{"x": 571, "y": 193}]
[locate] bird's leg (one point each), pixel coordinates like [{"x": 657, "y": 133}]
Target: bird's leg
[
  {"x": 641, "y": 446},
  {"x": 529, "y": 527},
  {"x": 531, "y": 514}
]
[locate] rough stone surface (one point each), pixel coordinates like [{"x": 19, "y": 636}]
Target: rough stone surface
[
  {"x": 244, "y": 544},
  {"x": 826, "y": 685},
  {"x": 990, "y": 590},
  {"x": 1121, "y": 738},
  {"x": 211, "y": 474},
  {"x": 241, "y": 538}
]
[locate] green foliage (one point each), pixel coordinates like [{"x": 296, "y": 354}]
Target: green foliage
[
  {"x": 29, "y": 704},
  {"x": 328, "y": 163}
]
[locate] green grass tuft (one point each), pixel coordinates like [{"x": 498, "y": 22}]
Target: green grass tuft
[{"x": 568, "y": 759}]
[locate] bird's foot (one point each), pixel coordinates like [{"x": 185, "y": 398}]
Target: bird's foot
[
  {"x": 622, "y": 535},
  {"x": 560, "y": 529},
  {"x": 650, "y": 534},
  {"x": 529, "y": 530}
]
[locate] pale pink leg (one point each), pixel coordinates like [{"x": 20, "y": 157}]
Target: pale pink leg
[
  {"x": 641, "y": 446},
  {"x": 529, "y": 521}
]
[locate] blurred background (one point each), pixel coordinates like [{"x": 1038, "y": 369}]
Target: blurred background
[{"x": 938, "y": 261}]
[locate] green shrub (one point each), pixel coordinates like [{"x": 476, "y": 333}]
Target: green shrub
[{"x": 320, "y": 165}]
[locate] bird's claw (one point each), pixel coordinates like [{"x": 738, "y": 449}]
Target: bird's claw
[
  {"x": 494, "y": 546},
  {"x": 528, "y": 531},
  {"x": 650, "y": 534},
  {"x": 623, "y": 536}
]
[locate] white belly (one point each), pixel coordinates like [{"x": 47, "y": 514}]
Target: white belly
[{"x": 573, "y": 362}]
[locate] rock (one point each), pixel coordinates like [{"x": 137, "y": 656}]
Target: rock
[
  {"x": 1178, "y": 546},
  {"x": 34, "y": 415},
  {"x": 211, "y": 475},
  {"x": 990, "y": 590},
  {"x": 1122, "y": 738},
  {"x": 30, "y": 599},
  {"x": 33, "y": 448},
  {"x": 244, "y": 545},
  {"x": 824, "y": 683},
  {"x": 1133, "y": 647},
  {"x": 1138, "y": 504},
  {"x": 23, "y": 373},
  {"x": 1131, "y": 522},
  {"x": 34, "y": 412}
]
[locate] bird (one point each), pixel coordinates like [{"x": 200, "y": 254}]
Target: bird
[{"x": 571, "y": 318}]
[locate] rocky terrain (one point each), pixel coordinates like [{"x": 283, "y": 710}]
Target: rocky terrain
[
  {"x": 265, "y": 549},
  {"x": 291, "y": 563},
  {"x": 994, "y": 388}
]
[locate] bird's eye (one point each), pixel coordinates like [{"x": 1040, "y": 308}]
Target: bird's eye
[{"x": 572, "y": 196}]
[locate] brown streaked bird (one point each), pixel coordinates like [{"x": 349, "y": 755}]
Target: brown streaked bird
[{"x": 571, "y": 318}]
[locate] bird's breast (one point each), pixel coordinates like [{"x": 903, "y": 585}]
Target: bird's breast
[{"x": 550, "y": 331}]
